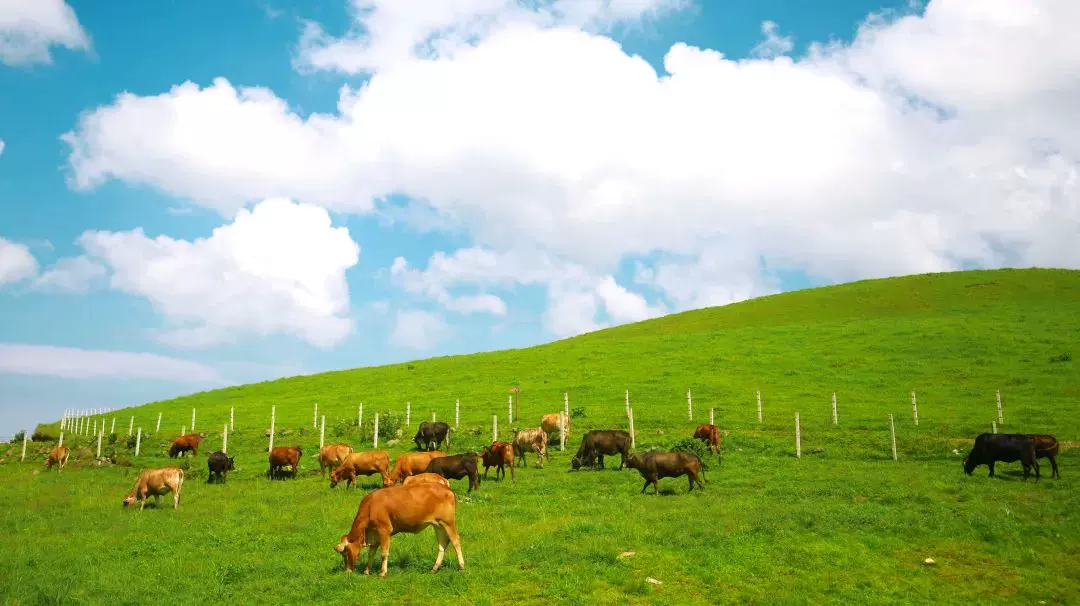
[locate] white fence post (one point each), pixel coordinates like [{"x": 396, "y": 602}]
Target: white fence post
[
  {"x": 360, "y": 415},
  {"x": 375, "y": 443},
  {"x": 1000, "y": 418},
  {"x": 99, "y": 441},
  {"x": 25, "y": 433},
  {"x": 225, "y": 440},
  {"x": 993, "y": 425},
  {"x": 113, "y": 430},
  {"x": 322, "y": 433},
  {"x": 689, "y": 405},
  {"x": 562, "y": 431},
  {"x": 892, "y": 432},
  {"x": 232, "y": 409},
  {"x": 315, "y": 416},
  {"x": 273, "y": 418},
  {"x": 510, "y": 410},
  {"x": 457, "y": 413},
  {"x": 157, "y": 428},
  {"x": 183, "y": 430},
  {"x": 138, "y": 442},
  {"x": 914, "y": 408},
  {"x": 408, "y": 414},
  {"x": 835, "y": 418},
  {"x": 566, "y": 404},
  {"x": 61, "y": 443},
  {"x": 627, "y": 402},
  {"x": 712, "y": 416},
  {"x": 494, "y": 427},
  {"x": 633, "y": 442},
  {"x": 759, "y": 406},
  {"x": 798, "y": 438},
  {"x": 192, "y": 420},
  {"x": 433, "y": 416}
]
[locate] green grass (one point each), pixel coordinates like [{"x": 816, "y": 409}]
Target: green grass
[{"x": 843, "y": 524}]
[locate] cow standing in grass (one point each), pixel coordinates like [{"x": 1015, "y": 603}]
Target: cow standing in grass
[
  {"x": 284, "y": 456},
  {"x": 1006, "y": 447},
  {"x": 363, "y": 464},
  {"x": 655, "y": 465},
  {"x": 389, "y": 511},
  {"x": 598, "y": 443},
  {"x": 456, "y": 467},
  {"x": 550, "y": 424},
  {"x": 421, "y": 478},
  {"x": 499, "y": 455},
  {"x": 1046, "y": 447},
  {"x": 533, "y": 439},
  {"x": 331, "y": 457},
  {"x": 58, "y": 456},
  {"x": 410, "y": 464},
  {"x": 219, "y": 465},
  {"x": 710, "y": 434},
  {"x": 156, "y": 482},
  {"x": 431, "y": 434},
  {"x": 186, "y": 442}
]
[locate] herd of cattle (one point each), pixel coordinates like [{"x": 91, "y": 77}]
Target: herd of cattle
[{"x": 416, "y": 492}]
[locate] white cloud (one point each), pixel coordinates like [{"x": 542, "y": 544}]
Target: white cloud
[
  {"x": 16, "y": 262},
  {"x": 75, "y": 363},
  {"x": 29, "y": 27},
  {"x": 932, "y": 142},
  {"x": 279, "y": 268},
  {"x": 419, "y": 330},
  {"x": 71, "y": 274}
]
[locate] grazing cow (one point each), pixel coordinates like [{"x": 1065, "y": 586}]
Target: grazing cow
[
  {"x": 388, "y": 511},
  {"x": 1006, "y": 447},
  {"x": 534, "y": 439},
  {"x": 219, "y": 464},
  {"x": 432, "y": 478},
  {"x": 655, "y": 465},
  {"x": 184, "y": 443},
  {"x": 456, "y": 467},
  {"x": 284, "y": 456},
  {"x": 156, "y": 482},
  {"x": 550, "y": 424},
  {"x": 363, "y": 464},
  {"x": 599, "y": 442},
  {"x": 710, "y": 434},
  {"x": 331, "y": 456},
  {"x": 410, "y": 464},
  {"x": 58, "y": 456},
  {"x": 499, "y": 455},
  {"x": 1046, "y": 447},
  {"x": 431, "y": 434}
]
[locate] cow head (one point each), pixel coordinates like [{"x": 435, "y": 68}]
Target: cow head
[
  {"x": 969, "y": 466},
  {"x": 334, "y": 478},
  {"x": 231, "y": 465},
  {"x": 128, "y": 500},
  {"x": 349, "y": 552}
]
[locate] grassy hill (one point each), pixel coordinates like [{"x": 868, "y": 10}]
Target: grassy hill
[{"x": 843, "y": 523}]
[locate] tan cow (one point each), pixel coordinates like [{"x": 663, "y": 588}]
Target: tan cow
[
  {"x": 361, "y": 463},
  {"x": 432, "y": 478},
  {"x": 58, "y": 456},
  {"x": 388, "y": 511},
  {"x": 410, "y": 464},
  {"x": 156, "y": 482},
  {"x": 332, "y": 456},
  {"x": 534, "y": 439},
  {"x": 550, "y": 424}
]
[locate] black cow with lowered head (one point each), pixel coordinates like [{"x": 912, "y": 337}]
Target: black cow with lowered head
[
  {"x": 431, "y": 434},
  {"x": 455, "y": 467},
  {"x": 220, "y": 464},
  {"x": 599, "y": 442},
  {"x": 1004, "y": 447}
]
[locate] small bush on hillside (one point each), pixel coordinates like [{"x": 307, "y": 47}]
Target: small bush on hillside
[
  {"x": 131, "y": 442},
  {"x": 44, "y": 434},
  {"x": 344, "y": 427},
  {"x": 18, "y": 437},
  {"x": 1065, "y": 357},
  {"x": 577, "y": 412},
  {"x": 112, "y": 439}
]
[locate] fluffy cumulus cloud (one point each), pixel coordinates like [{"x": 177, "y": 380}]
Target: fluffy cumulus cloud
[
  {"x": 276, "y": 269},
  {"x": 16, "y": 262},
  {"x": 75, "y": 363},
  {"x": 935, "y": 140},
  {"x": 29, "y": 28},
  {"x": 70, "y": 274},
  {"x": 418, "y": 330}
]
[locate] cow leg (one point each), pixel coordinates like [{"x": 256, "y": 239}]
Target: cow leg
[
  {"x": 444, "y": 540},
  {"x": 371, "y": 557},
  {"x": 645, "y": 486},
  {"x": 455, "y": 540},
  {"x": 142, "y": 503},
  {"x": 600, "y": 459},
  {"x": 991, "y": 466},
  {"x": 384, "y": 544},
  {"x": 486, "y": 470},
  {"x": 1053, "y": 463},
  {"x": 656, "y": 485},
  {"x": 690, "y": 477}
]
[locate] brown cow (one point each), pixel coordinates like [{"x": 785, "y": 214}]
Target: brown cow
[
  {"x": 58, "y": 456},
  {"x": 332, "y": 456},
  {"x": 361, "y": 463},
  {"x": 534, "y": 439},
  {"x": 656, "y": 465},
  {"x": 156, "y": 482},
  {"x": 184, "y": 443},
  {"x": 550, "y": 424},
  {"x": 420, "y": 478},
  {"x": 410, "y": 464},
  {"x": 1046, "y": 447},
  {"x": 499, "y": 455},
  {"x": 710, "y": 434},
  {"x": 388, "y": 511},
  {"x": 284, "y": 456}
]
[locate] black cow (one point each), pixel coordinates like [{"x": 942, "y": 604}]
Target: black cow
[
  {"x": 220, "y": 465},
  {"x": 456, "y": 467},
  {"x": 600, "y": 442},
  {"x": 1046, "y": 447},
  {"x": 430, "y": 435},
  {"x": 1005, "y": 447},
  {"x": 655, "y": 465}
]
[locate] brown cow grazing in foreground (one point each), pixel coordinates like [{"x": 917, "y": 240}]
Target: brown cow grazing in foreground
[
  {"x": 534, "y": 439},
  {"x": 156, "y": 482},
  {"x": 1046, "y": 447},
  {"x": 550, "y": 424},
  {"x": 710, "y": 434},
  {"x": 362, "y": 464},
  {"x": 332, "y": 456},
  {"x": 184, "y": 443},
  {"x": 58, "y": 456},
  {"x": 456, "y": 467},
  {"x": 410, "y": 464},
  {"x": 388, "y": 511},
  {"x": 421, "y": 478},
  {"x": 284, "y": 456},
  {"x": 655, "y": 465},
  {"x": 499, "y": 455}
]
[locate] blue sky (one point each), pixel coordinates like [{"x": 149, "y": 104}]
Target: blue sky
[{"x": 535, "y": 179}]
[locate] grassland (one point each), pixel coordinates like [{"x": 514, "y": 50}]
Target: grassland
[{"x": 844, "y": 523}]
